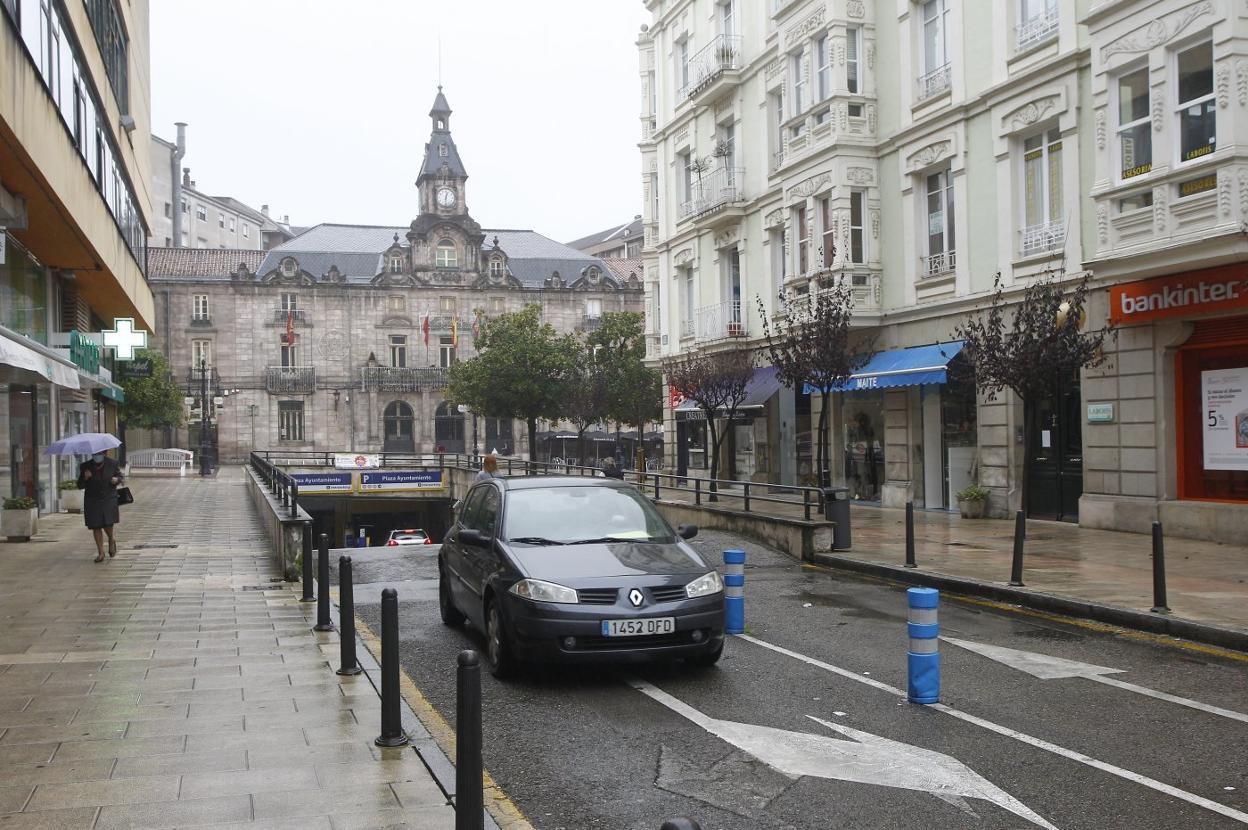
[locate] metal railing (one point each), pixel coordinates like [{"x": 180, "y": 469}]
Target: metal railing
[
  {"x": 281, "y": 315},
  {"x": 289, "y": 379},
  {"x": 934, "y": 82},
  {"x": 936, "y": 264},
  {"x": 709, "y": 62},
  {"x": 716, "y": 188},
  {"x": 687, "y": 328},
  {"x": 726, "y": 319},
  {"x": 281, "y": 484},
  {"x": 591, "y": 322},
  {"x": 1043, "y": 237},
  {"x": 1038, "y": 29},
  {"x": 402, "y": 379}
]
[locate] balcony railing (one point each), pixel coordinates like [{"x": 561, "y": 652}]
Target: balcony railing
[
  {"x": 201, "y": 320},
  {"x": 715, "y": 322},
  {"x": 936, "y": 264},
  {"x": 722, "y": 53},
  {"x": 687, "y": 328},
  {"x": 281, "y": 315},
  {"x": 1042, "y": 238},
  {"x": 402, "y": 379},
  {"x": 591, "y": 322},
  {"x": 297, "y": 380},
  {"x": 1038, "y": 29},
  {"x": 934, "y": 82},
  {"x": 714, "y": 190}
]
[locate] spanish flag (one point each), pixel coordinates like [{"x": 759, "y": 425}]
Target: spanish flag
[{"x": 455, "y": 332}]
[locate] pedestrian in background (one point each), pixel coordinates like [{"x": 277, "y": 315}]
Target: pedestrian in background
[
  {"x": 610, "y": 470},
  {"x": 98, "y": 477},
  {"x": 489, "y": 468}
]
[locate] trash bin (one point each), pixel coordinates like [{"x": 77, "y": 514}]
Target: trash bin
[{"x": 836, "y": 509}]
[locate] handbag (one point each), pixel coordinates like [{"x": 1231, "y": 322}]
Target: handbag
[{"x": 124, "y": 496}]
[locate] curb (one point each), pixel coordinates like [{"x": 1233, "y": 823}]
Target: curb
[{"x": 1213, "y": 635}]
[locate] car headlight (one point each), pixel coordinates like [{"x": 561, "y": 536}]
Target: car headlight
[
  {"x": 539, "y": 591},
  {"x": 705, "y": 585}
]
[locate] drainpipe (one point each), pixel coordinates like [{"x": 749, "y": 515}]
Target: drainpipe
[{"x": 175, "y": 175}]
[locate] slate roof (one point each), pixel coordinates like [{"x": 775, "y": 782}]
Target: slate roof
[
  {"x": 624, "y": 268},
  {"x": 200, "y": 263},
  {"x": 434, "y": 160},
  {"x": 615, "y": 232},
  {"x": 357, "y": 250}
]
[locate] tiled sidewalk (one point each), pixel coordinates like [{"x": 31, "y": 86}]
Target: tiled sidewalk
[{"x": 182, "y": 686}]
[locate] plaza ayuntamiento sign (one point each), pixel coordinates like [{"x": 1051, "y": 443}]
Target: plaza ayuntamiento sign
[{"x": 1179, "y": 295}]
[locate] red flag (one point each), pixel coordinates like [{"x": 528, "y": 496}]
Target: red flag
[
  {"x": 425, "y": 328},
  {"x": 290, "y": 327}
]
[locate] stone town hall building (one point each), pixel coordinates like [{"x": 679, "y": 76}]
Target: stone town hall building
[{"x": 377, "y": 314}]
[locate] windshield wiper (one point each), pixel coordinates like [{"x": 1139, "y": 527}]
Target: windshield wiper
[
  {"x": 535, "y": 540},
  {"x": 605, "y": 539}
]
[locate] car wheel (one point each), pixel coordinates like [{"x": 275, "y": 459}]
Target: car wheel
[
  {"x": 705, "y": 661},
  {"x": 498, "y": 651},
  {"x": 451, "y": 615}
]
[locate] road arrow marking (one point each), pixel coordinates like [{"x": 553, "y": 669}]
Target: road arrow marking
[
  {"x": 1056, "y": 668},
  {"x": 864, "y": 758},
  {"x": 1030, "y": 740}
]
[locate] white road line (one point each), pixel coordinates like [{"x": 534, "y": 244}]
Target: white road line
[
  {"x": 1182, "y": 701},
  {"x": 1023, "y": 737}
]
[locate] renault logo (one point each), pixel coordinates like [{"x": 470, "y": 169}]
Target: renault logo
[{"x": 636, "y": 598}]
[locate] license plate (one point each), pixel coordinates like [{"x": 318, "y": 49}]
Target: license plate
[{"x": 638, "y": 628}]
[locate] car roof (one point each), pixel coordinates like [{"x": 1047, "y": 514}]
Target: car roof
[{"x": 537, "y": 482}]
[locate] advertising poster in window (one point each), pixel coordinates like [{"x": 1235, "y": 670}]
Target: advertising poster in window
[{"x": 1225, "y": 396}]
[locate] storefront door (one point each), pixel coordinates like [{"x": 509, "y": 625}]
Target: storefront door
[
  {"x": 23, "y": 458},
  {"x": 864, "y": 444},
  {"x": 1056, "y": 446}
]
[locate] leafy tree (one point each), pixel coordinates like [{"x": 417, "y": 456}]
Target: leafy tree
[
  {"x": 716, "y": 382},
  {"x": 153, "y": 402},
  {"x": 521, "y": 370},
  {"x": 634, "y": 391},
  {"x": 585, "y": 402},
  {"x": 811, "y": 346},
  {"x": 1036, "y": 350}
]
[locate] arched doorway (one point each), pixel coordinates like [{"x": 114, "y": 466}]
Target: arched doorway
[
  {"x": 499, "y": 436},
  {"x": 448, "y": 428},
  {"x": 399, "y": 421}
]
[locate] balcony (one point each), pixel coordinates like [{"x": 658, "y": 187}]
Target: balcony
[
  {"x": 687, "y": 328},
  {"x": 289, "y": 380},
  {"x": 715, "y": 191},
  {"x": 1038, "y": 29},
  {"x": 281, "y": 315},
  {"x": 591, "y": 323},
  {"x": 937, "y": 265},
  {"x": 713, "y": 66},
  {"x": 402, "y": 379},
  {"x": 1042, "y": 238},
  {"x": 201, "y": 321},
  {"x": 934, "y": 83},
  {"x": 720, "y": 321}
]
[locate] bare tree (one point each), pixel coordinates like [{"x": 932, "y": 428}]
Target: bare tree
[
  {"x": 810, "y": 346},
  {"x": 716, "y": 382},
  {"x": 1035, "y": 350}
]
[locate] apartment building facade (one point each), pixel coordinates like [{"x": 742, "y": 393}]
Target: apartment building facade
[
  {"x": 74, "y": 190},
  {"x": 915, "y": 150}
]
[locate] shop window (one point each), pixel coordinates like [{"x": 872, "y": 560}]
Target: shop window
[
  {"x": 699, "y": 457},
  {"x": 864, "y": 444},
  {"x": 1211, "y": 408},
  {"x": 1197, "y": 109}
]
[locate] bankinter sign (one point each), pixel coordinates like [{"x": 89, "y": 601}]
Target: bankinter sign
[{"x": 1179, "y": 295}]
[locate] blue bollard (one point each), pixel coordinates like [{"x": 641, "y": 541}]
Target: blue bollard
[
  {"x": 923, "y": 659},
  {"x": 734, "y": 592}
]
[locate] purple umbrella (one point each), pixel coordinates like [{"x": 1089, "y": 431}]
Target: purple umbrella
[{"x": 84, "y": 443}]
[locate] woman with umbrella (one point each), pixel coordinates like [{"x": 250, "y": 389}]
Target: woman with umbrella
[{"x": 98, "y": 476}]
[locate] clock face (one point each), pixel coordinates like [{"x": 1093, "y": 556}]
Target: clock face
[{"x": 446, "y": 197}]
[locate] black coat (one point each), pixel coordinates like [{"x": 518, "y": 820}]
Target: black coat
[{"x": 99, "y": 501}]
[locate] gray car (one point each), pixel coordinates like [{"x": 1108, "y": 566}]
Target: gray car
[{"x": 577, "y": 569}]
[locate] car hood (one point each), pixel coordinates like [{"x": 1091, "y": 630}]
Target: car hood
[{"x": 569, "y": 562}]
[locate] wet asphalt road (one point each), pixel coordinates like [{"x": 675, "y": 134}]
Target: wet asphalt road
[{"x": 581, "y": 748}]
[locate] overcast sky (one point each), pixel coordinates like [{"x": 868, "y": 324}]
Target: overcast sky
[{"x": 319, "y": 108}]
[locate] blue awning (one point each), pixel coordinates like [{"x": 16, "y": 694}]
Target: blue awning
[
  {"x": 903, "y": 367},
  {"x": 762, "y": 385}
]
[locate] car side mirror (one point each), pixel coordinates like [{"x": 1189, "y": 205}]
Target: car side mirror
[
  {"x": 687, "y": 531},
  {"x": 476, "y": 538}
]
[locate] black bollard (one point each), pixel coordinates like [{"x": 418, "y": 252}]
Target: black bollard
[
  {"x": 346, "y": 617},
  {"x": 681, "y": 823},
  {"x": 391, "y": 722},
  {"x": 469, "y": 800},
  {"x": 1159, "y": 572},
  {"x": 308, "y": 594},
  {"x": 1020, "y": 533},
  {"x": 910, "y": 563},
  {"x": 323, "y": 622}
]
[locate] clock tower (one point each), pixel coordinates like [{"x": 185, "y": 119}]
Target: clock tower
[{"x": 445, "y": 240}]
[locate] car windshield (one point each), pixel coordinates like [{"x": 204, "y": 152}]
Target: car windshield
[{"x": 565, "y": 515}]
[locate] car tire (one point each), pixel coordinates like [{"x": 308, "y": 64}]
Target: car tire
[
  {"x": 498, "y": 656},
  {"x": 451, "y": 615},
  {"x": 706, "y": 661}
]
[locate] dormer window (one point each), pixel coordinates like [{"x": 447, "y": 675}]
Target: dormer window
[
  {"x": 446, "y": 256},
  {"x": 289, "y": 267},
  {"x": 496, "y": 269},
  {"x": 592, "y": 274},
  {"x": 443, "y": 150},
  {"x": 396, "y": 264}
]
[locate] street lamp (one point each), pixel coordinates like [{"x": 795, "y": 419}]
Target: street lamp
[
  {"x": 205, "y": 419},
  {"x": 463, "y": 408}
]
